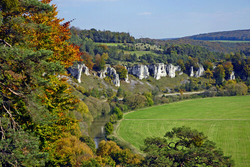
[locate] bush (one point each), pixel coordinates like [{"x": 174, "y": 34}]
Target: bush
[
  {"x": 118, "y": 112},
  {"x": 135, "y": 101},
  {"x": 80, "y": 89},
  {"x": 89, "y": 141},
  {"x": 123, "y": 107},
  {"x": 109, "y": 128},
  {"x": 237, "y": 89},
  {"x": 113, "y": 118}
]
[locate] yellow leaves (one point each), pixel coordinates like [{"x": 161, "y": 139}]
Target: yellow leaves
[
  {"x": 106, "y": 148},
  {"x": 82, "y": 108},
  {"x": 73, "y": 149},
  {"x": 110, "y": 149}
]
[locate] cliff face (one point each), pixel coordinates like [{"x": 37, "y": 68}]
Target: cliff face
[
  {"x": 191, "y": 72},
  {"x": 232, "y": 76},
  {"x": 111, "y": 72},
  {"x": 200, "y": 71},
  {"x": 140, "y": 71},
  {"x": 172, "y": 69},
  {"x": 76, "y": 71},
  {"x": 157, "y": 70}
]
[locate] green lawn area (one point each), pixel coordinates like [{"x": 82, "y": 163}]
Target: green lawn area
[
  {"x": 225, "y": 120},
  {"x": 109, "y": 44}
]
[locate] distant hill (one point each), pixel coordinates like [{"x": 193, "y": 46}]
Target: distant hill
[{"x": 236, "y": 35}]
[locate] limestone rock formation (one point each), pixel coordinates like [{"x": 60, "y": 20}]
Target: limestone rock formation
[
  {"x": 200, "y": 71},
  {"x": 126, "y": 79},
  {"x": 140, "y": 71},
  {"x": 76, "y": 71},
  {"x": 157, "y": 70},
  {"x": 191, "y": 71},
  {"x": 111, "y": 72},
  {"x": 102, "y": 74},
  {"x": 86, "y": 70},
  {"x": 116, "y": 80},
  {"x": 232, "y": 76},
  {"x": 171, "y": 69}
]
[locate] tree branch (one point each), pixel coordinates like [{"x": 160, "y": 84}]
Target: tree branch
[
  {"x": 5, "y": 43},
  {"x": 2, "y": 130},
  {"x": 12, "y": 91},
  {"x": 12, "y": 119}
]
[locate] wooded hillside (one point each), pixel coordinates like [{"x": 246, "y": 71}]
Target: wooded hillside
[{"x": 242, "y": 35}]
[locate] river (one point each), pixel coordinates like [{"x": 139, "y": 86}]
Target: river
[{"x": 96, "y": 130}]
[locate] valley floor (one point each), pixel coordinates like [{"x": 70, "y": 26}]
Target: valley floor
[{"x": 225, "y": 120}]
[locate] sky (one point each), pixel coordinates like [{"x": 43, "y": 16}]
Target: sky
[{"x": 157, "y": 19}]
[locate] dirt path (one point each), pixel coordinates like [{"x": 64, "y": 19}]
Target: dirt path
[{"x": 185, "y": 93}]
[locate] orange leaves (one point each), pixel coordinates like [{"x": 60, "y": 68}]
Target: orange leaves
[{"x": 88, "y": 60}]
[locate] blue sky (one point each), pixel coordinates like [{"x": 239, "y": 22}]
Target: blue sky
[{"x": 157, "y": 18}]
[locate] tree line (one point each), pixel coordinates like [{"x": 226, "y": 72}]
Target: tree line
[
  {"x": 241, "y": 35},
  {"x": 104, "y": 36}
]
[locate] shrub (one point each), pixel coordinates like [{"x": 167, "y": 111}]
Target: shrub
[
  {"x": 135, "y": 101},
  {"x": 89, "y": 141},
  {"x": 118, "y": 112},
  {"x": 109, "y": 128},
  {"x": 237, "y": 89}
]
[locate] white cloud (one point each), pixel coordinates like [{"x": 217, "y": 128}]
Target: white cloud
[{"x": 145, "y": 13}]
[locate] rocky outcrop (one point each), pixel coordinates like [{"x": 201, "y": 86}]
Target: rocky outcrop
[
  {"x": 200, "y": 71},
  {"x": 111, "y": 72},
  {"x": 191, "y": 71},
  {"x": 102, "y": 74},
  {"x": 140, "y": 71},
  {"x": 232, "y": 76},
  {"x": 157, "y": 70},
  {"x": 86, "y": 70},
  {"x": 171, "y": 69},
  {"x": 126, "y": 79},
  {"x": 76, "y": 71}
]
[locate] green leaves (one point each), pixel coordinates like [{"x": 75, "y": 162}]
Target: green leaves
[
  {"x": 19, "y": 148},
  {"x": 36, "y": 6},
  {"x": 183, "y": 146},
  {"x": 109, "y": 128}
]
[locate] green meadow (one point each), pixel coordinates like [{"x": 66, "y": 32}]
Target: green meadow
[
  {"x": 225, "y": 120},
  {"x": 109, "y": 44}
]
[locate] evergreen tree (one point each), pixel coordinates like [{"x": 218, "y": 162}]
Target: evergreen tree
[{"x": 183, "y": 146}]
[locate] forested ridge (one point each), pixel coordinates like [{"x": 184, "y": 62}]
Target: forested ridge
[
  {"x": 240, "y": 35},
  {"x": 105, "y": 36},
  {"x": 225, "y": 47}
]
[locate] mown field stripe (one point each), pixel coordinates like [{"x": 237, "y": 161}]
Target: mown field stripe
[{"x": 225, "y": 120}]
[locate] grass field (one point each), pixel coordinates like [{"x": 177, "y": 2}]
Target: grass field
[
  {"x": 225, "y": 120},
  {"x": 140, "y": 53},
  {"x": 110, "y": 44}
]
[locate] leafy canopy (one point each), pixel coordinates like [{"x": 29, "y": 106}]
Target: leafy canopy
[{"x": 183, "y": 146}]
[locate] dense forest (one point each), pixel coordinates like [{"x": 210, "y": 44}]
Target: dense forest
[
  {"x": 104, "y": 36},
  {"x": 164, "y": 53},
  {"x": 236, "y": 35},
  {"x": 225, "y": 47}
]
